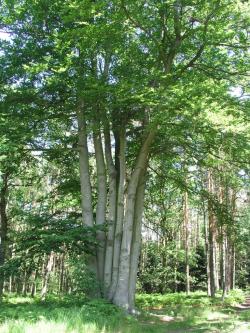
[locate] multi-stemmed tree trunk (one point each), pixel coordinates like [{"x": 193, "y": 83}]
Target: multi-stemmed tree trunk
[
  {"x": 3, "y": 226},
  {"x": 121, "y": 296},
  {"x": 117, "y": 256}
]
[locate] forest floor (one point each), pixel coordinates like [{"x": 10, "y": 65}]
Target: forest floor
[{"x": 170, "y": 313}]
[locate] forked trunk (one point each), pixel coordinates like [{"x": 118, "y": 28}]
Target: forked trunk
[
  {"x": 119, "y": 213},
  {"x": 121, "y": 296}
]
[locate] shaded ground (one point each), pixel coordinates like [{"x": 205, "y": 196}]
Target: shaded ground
[
  {"x": 202, "y": 320},
  {"x": 172, "y": 313}
]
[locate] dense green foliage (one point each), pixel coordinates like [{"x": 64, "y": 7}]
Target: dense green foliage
[{"x": 124, "y": 123}]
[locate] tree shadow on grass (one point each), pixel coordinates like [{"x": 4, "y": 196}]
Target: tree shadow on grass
[
  {"x": 198, "y": 319},
  {"x": 74, "y": 314},
  {"x": 83, "y": 315}
]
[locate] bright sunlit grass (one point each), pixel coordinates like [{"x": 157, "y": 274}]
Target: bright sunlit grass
[{"x": 170, "y": 312}]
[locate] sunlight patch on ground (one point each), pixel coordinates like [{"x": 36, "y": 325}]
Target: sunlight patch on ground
[
  {"x": 216, "y": 316},
  {"x": 242, "y": 328},
  {"x": 19, "y": 326}
]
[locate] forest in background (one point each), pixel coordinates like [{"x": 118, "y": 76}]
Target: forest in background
[{"x": 124, "y": 148}]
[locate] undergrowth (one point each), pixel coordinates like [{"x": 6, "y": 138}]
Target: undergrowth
[{"x": 159, "y": 314}]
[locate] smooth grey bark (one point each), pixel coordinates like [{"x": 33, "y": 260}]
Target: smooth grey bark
[
  {"x": 121, "y": 296},
  {"x": 86, "y": 191},
  {"x": 111, "y": 218},
  {"x": 136, "y": 240},
  {"x": 101, "y": 201},
  {"x": 3, "y": 226},
  {"x": 120, "y": 212}
]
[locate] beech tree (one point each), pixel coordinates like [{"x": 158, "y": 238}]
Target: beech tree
[{"x": 116, "y": 78}]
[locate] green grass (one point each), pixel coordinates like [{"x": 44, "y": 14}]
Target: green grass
[{"x": 174, "y": 313}]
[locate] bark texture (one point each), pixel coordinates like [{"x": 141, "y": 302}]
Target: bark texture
[
  {"x": 3, "y": 226},
  {"x": 112, "y": 173},
  {"x": 121, "y": 296},
  {"x": 101, "y": 201}
]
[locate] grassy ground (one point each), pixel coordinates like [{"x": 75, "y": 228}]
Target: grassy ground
[{"x": 174, "y": 313}]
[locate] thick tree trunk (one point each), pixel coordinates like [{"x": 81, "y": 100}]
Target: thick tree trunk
[
  {"x": 111, "y": 212},
  {"x": 136, "y": 240},
  {"x": 3, "y": 227},
  {"x": 120, "y": 212},
  {"x": 121, "y": 297},
  {"x": 101, "y": 201}
]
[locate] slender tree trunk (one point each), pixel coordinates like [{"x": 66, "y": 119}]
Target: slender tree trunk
[
  {"x": 232, "y": 275},
  {"x": 3, "y": 227},
  {"x": 112, "y": 197},
  {"x": 10, "y": 284},
  {"x": 24, "y": 289},
  {"x": 61, "y": 274},
  {"x": 33, "y": 286},
  {"x": 232, "y": 240},
  {"x": 121, "y": 297},
  {"x": 216, "y": 261},
  {"x": 207, "y": 257},
  {"x": 46, "y": 277},
  {"x": 187, "y": 235},
  {"x": 228, "y": 261},
  {"x": 101, "y": 201},
  {"x": 223, "y": 264},
  {"x": 211, "y": 238},
  {"x": 86, "y": 190}
]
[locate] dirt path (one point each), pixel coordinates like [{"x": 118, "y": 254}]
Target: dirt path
[{"x": 244, "y": 306}]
